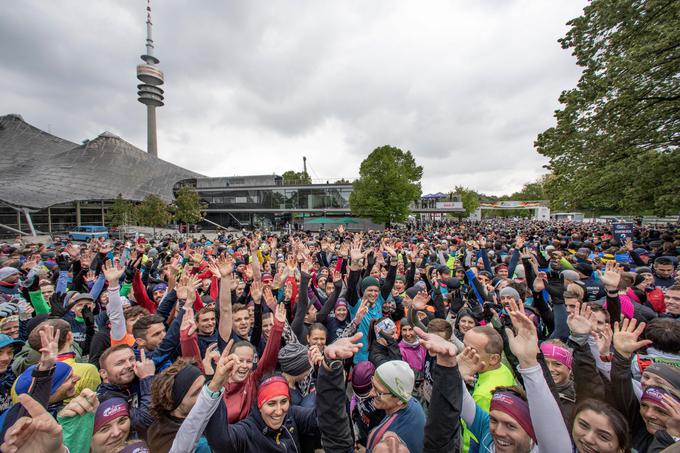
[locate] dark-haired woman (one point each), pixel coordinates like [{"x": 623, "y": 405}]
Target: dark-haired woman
[{"x": 598, "y": 427}]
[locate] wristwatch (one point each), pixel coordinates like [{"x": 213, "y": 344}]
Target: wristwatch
[
  {"x": 211, "y": 394},
  {"x": 332, "y": 364}
]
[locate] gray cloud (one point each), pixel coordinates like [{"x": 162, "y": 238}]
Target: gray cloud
[{"x": 252, "y": 86}]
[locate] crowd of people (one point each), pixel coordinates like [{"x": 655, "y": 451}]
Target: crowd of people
[{"x": 492, "y": 336}]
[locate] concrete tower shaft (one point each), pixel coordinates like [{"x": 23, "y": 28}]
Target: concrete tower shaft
[{"x": 150, "y": 93}]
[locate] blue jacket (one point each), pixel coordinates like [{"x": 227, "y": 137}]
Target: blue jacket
[
  {"x": 169, "y": 349},
  {"x": 407, "y": 423}
]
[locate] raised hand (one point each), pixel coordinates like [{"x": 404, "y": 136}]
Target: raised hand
[
  {"x": 113, "y": 272},
  {"x": 225, "y": 265},
  {"x": 469, "y": 364},
  {"x": 337, "y": 276},
  {"x": 144, "y": 367},
  {"x": 256, "y": 291},
  {"x": 390, "y": 250},
  {"x": 539, "y": 284},
  {"x": 188, "y": 322},
  {"x": 280, "y": 313},
  {"x": 523, "y": 343},
  {"x": 39, "y": 432},
  {"x": 604, "y": 340},
  {"x": 611, "y": 277},
  {"x": 355, "y": 254},
  {"x": 80, "y": 405},
  {"x": 343, "y": 348},
  {"x": 361, "y": 312},
  {"x": 421, "y": 300},
  {"x": 626, "y": 336},
  {"x": 49, "y": 342},
  {"x": 212, "y": 355},
  {"x": 269, "y": 297},
  {"x": 306, "y": 266},
  {"x": 437, "y": 346},
  {"x": 89, "y": 277},
  {"x": 580, "y": 322},
  {"x": 672, "y": 406},
  {"x": 226, "y": 365}
]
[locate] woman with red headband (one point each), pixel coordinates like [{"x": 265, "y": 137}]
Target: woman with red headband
[{"x": 274, "y": 425}]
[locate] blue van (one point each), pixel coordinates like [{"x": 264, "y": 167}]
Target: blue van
[{"x": 87, "y": 232}]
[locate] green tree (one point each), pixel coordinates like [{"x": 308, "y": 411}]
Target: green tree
[
  {"x": 615, "y": 144},
  {"x": 389, "y": 181},
  {"x": 187, "y": 207},
  {"x": 469, "y": 197},
  {"x": 296, "y": 177},
  {"x": 531, "y": 191},
  {"x": 121, "y": 212},
  {"x": 153, "y": 212}
]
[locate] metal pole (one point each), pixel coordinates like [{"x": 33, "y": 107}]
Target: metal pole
[
  {"x": 49, "y": 220},
  {"x": 78, "y": 213},
  {"x": 30, "y": 222}
]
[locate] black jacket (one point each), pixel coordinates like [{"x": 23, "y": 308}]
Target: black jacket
[
  {"x": 138, "y": 397},
  {"x": 624, "y": 400},
  {"x": 331, "y": 402},
  {"x": 442, "y": 429},
  {"x": 253, "y": 435}
]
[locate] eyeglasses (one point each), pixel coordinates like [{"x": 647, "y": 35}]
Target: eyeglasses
[{"x": 376, "y": 394}]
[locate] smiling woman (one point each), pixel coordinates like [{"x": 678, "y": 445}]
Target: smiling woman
[{"x": 598, "y": 427}]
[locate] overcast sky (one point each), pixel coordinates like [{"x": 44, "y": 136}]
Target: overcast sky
[{"x": 252, "y": 86}]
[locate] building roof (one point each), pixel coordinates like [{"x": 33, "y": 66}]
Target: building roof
[{"x": 38, "y": 170}]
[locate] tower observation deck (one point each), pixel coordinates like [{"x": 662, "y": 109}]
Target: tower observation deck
[{"x": 150, "y": 93}]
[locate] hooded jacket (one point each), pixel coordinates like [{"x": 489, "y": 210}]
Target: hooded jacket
[
  {"x": 414, "y": 355},
  {"x": 252, "y": 434}
]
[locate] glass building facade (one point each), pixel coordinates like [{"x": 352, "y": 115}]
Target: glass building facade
[{"x": 264, "y": 201}]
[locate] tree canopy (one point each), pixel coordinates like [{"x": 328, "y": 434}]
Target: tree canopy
[
  {"x": 153, "y": 212},
  {"x": 296, "y": 177},
  {"x": 615, "y": 144},
  {"x": 187, "y": 206},
  {"x": 469, "y": 197},
  {"x": 389, "y": 180},
  {"x": 121, "y": 212}
]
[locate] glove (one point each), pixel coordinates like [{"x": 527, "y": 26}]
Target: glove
[
  {"x": 8, "y": 309},
  {"x": 32, "y": 281},
  {"x": 63, "y": 262},
  {"x": 129, "y": 273},
  {"x": 88, "y": 316}
]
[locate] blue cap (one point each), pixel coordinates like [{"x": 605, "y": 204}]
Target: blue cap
[{"x": 6, "y": 340}]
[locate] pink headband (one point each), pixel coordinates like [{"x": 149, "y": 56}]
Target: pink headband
[
  {"x": 557, "y": 353},
  {"x": 515, "y": 407},
  {"x": 655, "y": 395}
]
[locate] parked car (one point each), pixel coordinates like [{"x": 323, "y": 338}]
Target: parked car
[
  {"x": 194, "y": 228},
  {"x": 87, "y": 232},
  {"x": 123, "y": 232}
]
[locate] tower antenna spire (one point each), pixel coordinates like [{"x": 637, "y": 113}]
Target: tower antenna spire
[{"x": 150, "y": 93}]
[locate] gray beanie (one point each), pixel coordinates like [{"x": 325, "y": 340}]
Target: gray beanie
[
  {"x": 570, "y": 275},
  {"x": 398, "y": 377},
  {"x": 510, "y": 291},
  {"x": 293, "y": 359}
]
